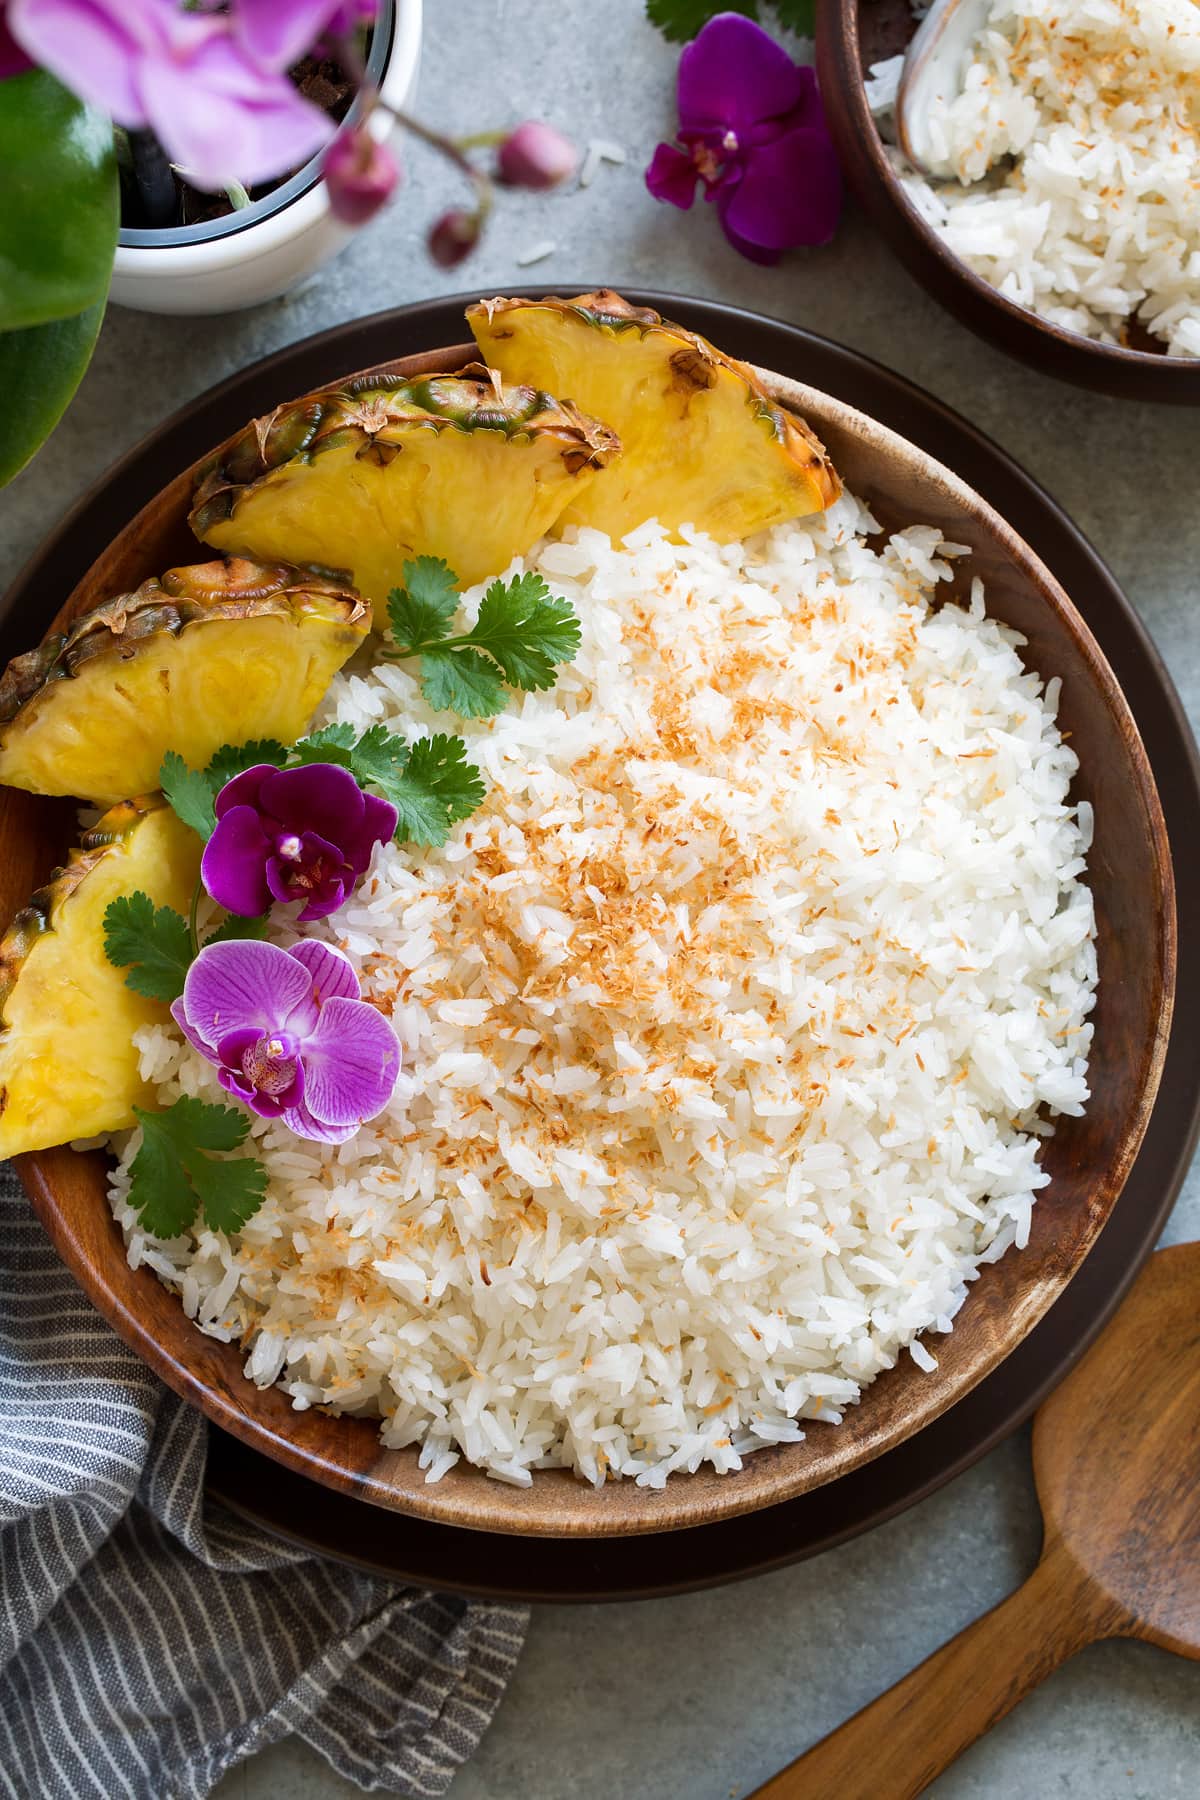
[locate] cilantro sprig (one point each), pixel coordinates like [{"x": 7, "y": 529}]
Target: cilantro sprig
[
  {"x": 431, "y": 783},
  {"x": 521, "y": 634},
  {"x": 153, "y": 943},
  {"x": 682, "y": 20},
  {"x": 182, "y": 1170}
]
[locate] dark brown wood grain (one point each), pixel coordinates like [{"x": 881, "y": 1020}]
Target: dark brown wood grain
[
  {"x": 1088, "y": 1159},
  {"x": 1115, "y": 1453},
  {"x": 851, "y": 36}
]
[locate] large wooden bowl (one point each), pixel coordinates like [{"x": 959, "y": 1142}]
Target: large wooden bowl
[
  {"x": 1088, "y": 1158},
  {"x": 852, "y": 35}
]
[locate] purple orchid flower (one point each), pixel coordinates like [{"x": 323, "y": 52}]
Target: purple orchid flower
[
  {"x": 292, "y": 834},
  {"x": 290, "y": 1035},
  {"x": 218, "y": 112},
  {"x": 360, "y": 175},
  {"x": 278, "y": 33},
  {"x": 752, "y": 130}
]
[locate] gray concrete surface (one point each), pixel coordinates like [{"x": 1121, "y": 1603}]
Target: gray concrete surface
[{"x": 702, "y": 1698}]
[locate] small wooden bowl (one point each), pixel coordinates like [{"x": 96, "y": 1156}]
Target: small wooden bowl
[
  {"x": 1087, "y": 1158},
  {"x": 853, "y": 36}
]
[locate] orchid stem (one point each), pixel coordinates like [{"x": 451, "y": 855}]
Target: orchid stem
[{"x": 453, "y": 149}]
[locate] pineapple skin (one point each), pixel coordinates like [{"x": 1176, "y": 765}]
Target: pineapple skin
[
  {"x": 93, "y": 710},
  {"x": 370, "y": 475},
  {"x": 703, "y": 443},
  {"x": 68, "y": 1066}
]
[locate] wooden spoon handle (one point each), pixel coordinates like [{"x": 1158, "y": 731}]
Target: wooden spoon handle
[{"x": 897, "y": 1745}]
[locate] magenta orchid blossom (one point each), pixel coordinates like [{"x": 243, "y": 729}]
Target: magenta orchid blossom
[
  {"x": 220, "y": 113},
  {"x": 277, "y": 33},
  {"x": 752, "y": 131},
  {"x": 304, "y": 834},
  {"x": 290, "y": 1035},
  {"x": 360, "y": 175}
]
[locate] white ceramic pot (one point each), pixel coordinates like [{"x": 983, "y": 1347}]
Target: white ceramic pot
[{"x": 264, "y": 250}]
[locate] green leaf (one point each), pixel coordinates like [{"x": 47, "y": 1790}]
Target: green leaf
[
  {"x": 682, "y": 20},
  {"x": 420, "y": 611},
  {"x": 332, "y": 744},
  {"x": 40, "y": 369},
  {"x": 233, "y": 929},
  {"x": 526, "y": 631},
  {"x": 159, "y": 1188},
  {"x": 175, "y": 1176},
  {"x": 439, "y": 764},
  {"x": 462, "y": 681},
  {"x": 190, "y": 792},
  {"x": 235, "y": 759},
  {"x": 229, "y": 1192},
  {"x": 379, "y": 757},
  {"x": 799, "y": 16},
  {"x": 430, "y": 785},
  {"x": 59, "y": 203},
  {"x": 154, "y": 944}
]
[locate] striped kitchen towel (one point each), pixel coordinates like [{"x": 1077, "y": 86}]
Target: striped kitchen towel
[{"x": 148, "y": 1640}]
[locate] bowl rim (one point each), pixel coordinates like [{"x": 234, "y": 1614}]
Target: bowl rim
[
  {"x": 839, "y": 44},
  {"x": 486, "y": 1505}
]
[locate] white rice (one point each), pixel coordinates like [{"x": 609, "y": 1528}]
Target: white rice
[
  {"x": 1076, "y": 141},
  {"x": 731, "y": 1024}
]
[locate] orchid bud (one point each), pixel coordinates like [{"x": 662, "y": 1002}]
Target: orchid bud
[
  {"x": 535, "y": 156},
  {"x": 454, "y": 237},
  {"x": 360, "y": 175}
]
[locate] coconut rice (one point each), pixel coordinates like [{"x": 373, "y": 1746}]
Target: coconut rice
[
  {"x": 1076, "y": 141},
  {"x": 731, "y": 1023}
]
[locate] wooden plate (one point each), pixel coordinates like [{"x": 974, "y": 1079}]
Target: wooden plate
[
  {"x": 1088, "y": 1159},
  {"x": 851, "y": 37}
]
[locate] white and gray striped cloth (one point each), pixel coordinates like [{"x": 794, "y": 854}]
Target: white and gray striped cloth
[{"x": 150, "y": 1641}]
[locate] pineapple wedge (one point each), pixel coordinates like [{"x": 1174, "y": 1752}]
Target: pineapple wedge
[
  {"x": 367, "y": 476},
  {"x": 68, "y": 1066},
  {"x": 702, "y": 441},
  {"x": 91, "y": 712}
]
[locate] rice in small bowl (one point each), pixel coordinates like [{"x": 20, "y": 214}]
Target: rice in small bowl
[
  {"x": 1070, "y": 239},
  {"x": 1075, "y": 142}
]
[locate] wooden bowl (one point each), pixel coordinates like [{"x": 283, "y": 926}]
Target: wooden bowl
[
  {"x": 1087, "y": 1158},
  {"x": 851, "y": 37}
]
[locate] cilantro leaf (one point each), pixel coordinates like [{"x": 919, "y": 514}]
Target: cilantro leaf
[
  {"x": 431, "y": 785},
  {"x": 332, "y": 744},
  {"x": 378, "y": 757},
  {"x": 173, "y": 1176},
  {"x": 190, "y": 793},
  {"x": 235, "y": 927},
  {"x": 526, "y": 631},
  {"x": 153, "y": 943},
  {"x": 440, "y": 765},
  {"x": 235, "y": 759},
  {"x": 229, "y": 1192},
  {"x": 682, "y": 20},
  {"x": 420, "y": 611},
  {"x": 462, "y": 681},
  {"x": 159, "y": 1190},
  {"x": 521, "y": 632}
]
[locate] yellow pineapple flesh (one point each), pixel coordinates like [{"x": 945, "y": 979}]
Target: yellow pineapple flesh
[
  {"x": 215, "y": 654},
  {"x": 68, "y": 1066},
  {"x": 367, "y": 477},
  {"x": 703, "y": 443}
]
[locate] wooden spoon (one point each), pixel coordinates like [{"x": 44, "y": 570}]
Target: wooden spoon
[{"x": 1116, "y": 1456}]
